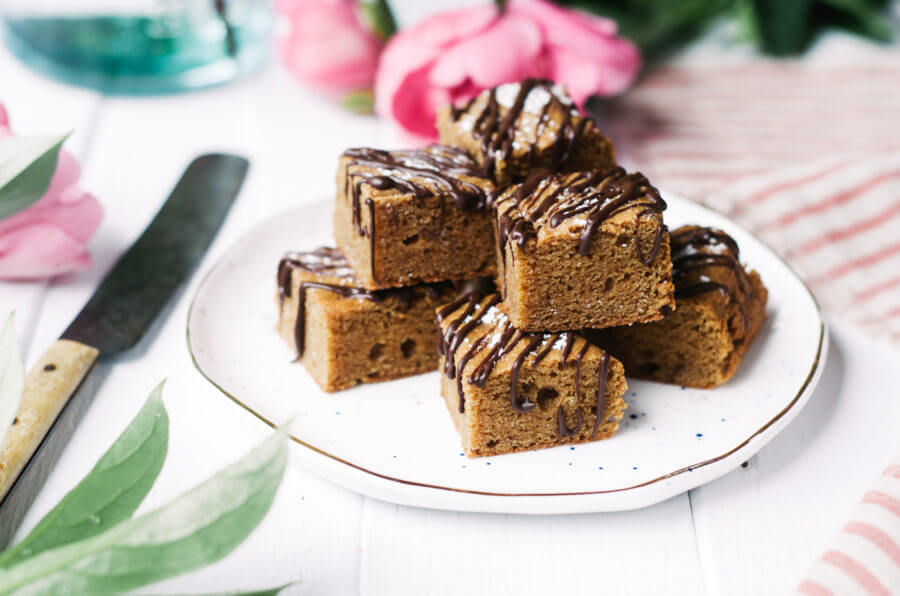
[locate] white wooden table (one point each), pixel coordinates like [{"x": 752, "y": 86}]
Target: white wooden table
[{"x": 754, "y": 531}]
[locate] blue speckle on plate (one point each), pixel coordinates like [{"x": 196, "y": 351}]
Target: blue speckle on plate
[
  {"x": 699, "y": 435},
  {"x": 683, "y": 387},
  {"x": 337, "y": 413},
  {"x": 723, "y": 420},
  {"x": 634, "y": 394},
  {"x": 653, "y": 428},
  {"x": 634, "y": 468},
  {"x": 488, "y": 463},
  {"x": 599, "y": 467},
  {"x": 462, "y": 454},
  {"x": 570, "y": 463},
  {"x": 395, "y": 457},
  {"x": 633, "y": 416},
  {"x": 571, "y": 449}
]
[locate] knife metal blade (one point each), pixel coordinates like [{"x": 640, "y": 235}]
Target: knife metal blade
[
  {"x": 140, "y": 284},
  {"x": 58, "y": 389}
]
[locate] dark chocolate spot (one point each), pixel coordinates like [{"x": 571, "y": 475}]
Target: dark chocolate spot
[{"x": 376, "y": 352}]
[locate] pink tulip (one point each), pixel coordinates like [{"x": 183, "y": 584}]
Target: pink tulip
[
  {"x": 48, "y": 238},
  {"x": 329, "y": 46},
  {"x": 452, "y": 56}
]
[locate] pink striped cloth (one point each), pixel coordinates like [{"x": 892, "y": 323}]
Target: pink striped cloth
[
  {"x": 865, "y": 557},
  {"x": 804, "y": 153}
]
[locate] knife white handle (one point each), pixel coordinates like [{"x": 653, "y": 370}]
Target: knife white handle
[{"x": 48, "y": 387}]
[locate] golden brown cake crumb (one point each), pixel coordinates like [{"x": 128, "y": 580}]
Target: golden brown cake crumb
[
  {"x": 517, "y": 128},
  {"x": 405, "y": 217},
  {"x": 720, "y": 308},
  {"x": 585, "y": 249},
  {"x": 509, "y": 390},
  {"x": 344, "y": 334}
]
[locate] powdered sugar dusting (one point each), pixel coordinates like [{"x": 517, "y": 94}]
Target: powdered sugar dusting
[{"x": 537, "y": 98}]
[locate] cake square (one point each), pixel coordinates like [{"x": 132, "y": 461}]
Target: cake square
[
  {"x": 344, "y": 334},
  {"x": 509, "y": 390},
  {"x": 517, "y": 128},
  {"x": 405, "y": 217},
  {"x": 720, "y": 307},
  {"x": 583, "y": 249}
]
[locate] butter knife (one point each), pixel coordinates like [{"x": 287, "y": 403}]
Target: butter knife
[{"x": 60, "y": 387}]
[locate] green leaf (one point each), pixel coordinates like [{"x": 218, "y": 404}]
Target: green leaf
[
  {"x": 377, "y": 14},
  {"x": 111, "y": 492},
  {"x": 12, "y": 376},
  {"x": 657, "y": 26},
  {"x": 359, "y": 102},
  {"x": 783, "y": 28},
  {"x": 196, "y": 529},
  {"x": 27, "y": 165},
  {"x": 868, "y": 18}
]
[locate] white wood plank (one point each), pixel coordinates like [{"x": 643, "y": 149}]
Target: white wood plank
[
  {"x": 418, "y": 551},
  {"x": 760, "y": 528}
]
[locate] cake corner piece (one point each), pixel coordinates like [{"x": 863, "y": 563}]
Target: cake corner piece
[
  {"x": 720, "y": 309},
  {"x": 583, "y": 250},
  {"x": 412, "y": 216},
  {"x": 509, "y": 391},
  {"x": 517, "y": 128},
  {"x": 344, "y": 334}
]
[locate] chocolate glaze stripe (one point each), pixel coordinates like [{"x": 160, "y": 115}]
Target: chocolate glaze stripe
[
  {"x": 697, "y": 236},
  {"x": 563, "y": 428},
  {"x": 524, "y": 405},
  {"x": 470, "y": 311},
  {"x": 329, "y": 262},
  {"x": 601, "y": 395},
  {"x": 696, "y": 249},
  {"x": 497, "y": 134},
  {"x": 431, "y": 171},
  {"x": 598, "y": 195}
]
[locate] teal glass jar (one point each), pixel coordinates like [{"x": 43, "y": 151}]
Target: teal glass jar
[{"x": 139, "y": 46}]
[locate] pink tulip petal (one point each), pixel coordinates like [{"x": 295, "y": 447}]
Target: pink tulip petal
[
  {"x": 416, "y": 102},
  {"x": 412, "y": 49},
  {"x": 68, "y": 171},
  {"x": 40, "y": 251},
  {"x": 329, "y": 46},
  {"x": 48, "y": 238},
  {"x": 341, "y": 61},
  {"x": 585, "y": 77},
  {"x": 453, "y": 56},
  {"x": 573, "y": 28},
  {"x": 512, "y": 44},
  {"x": 79, "y": 218}
]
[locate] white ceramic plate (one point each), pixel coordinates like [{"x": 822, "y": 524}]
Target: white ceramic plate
[{"x": 395, "y": 441}]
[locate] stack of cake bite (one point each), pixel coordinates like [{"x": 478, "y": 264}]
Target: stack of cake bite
[{"x": 524, "y": 190}]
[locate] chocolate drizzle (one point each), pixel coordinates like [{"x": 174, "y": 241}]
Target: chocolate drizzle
[
  {"x": 697, "y": 249},
  {"x": 587, "y": 197},
  {"x": 496, "y": 129},
  {"x": 330, "y": 264},
  {"x": 476, "y": 311},
  {"x": 431, "y": 171}
]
